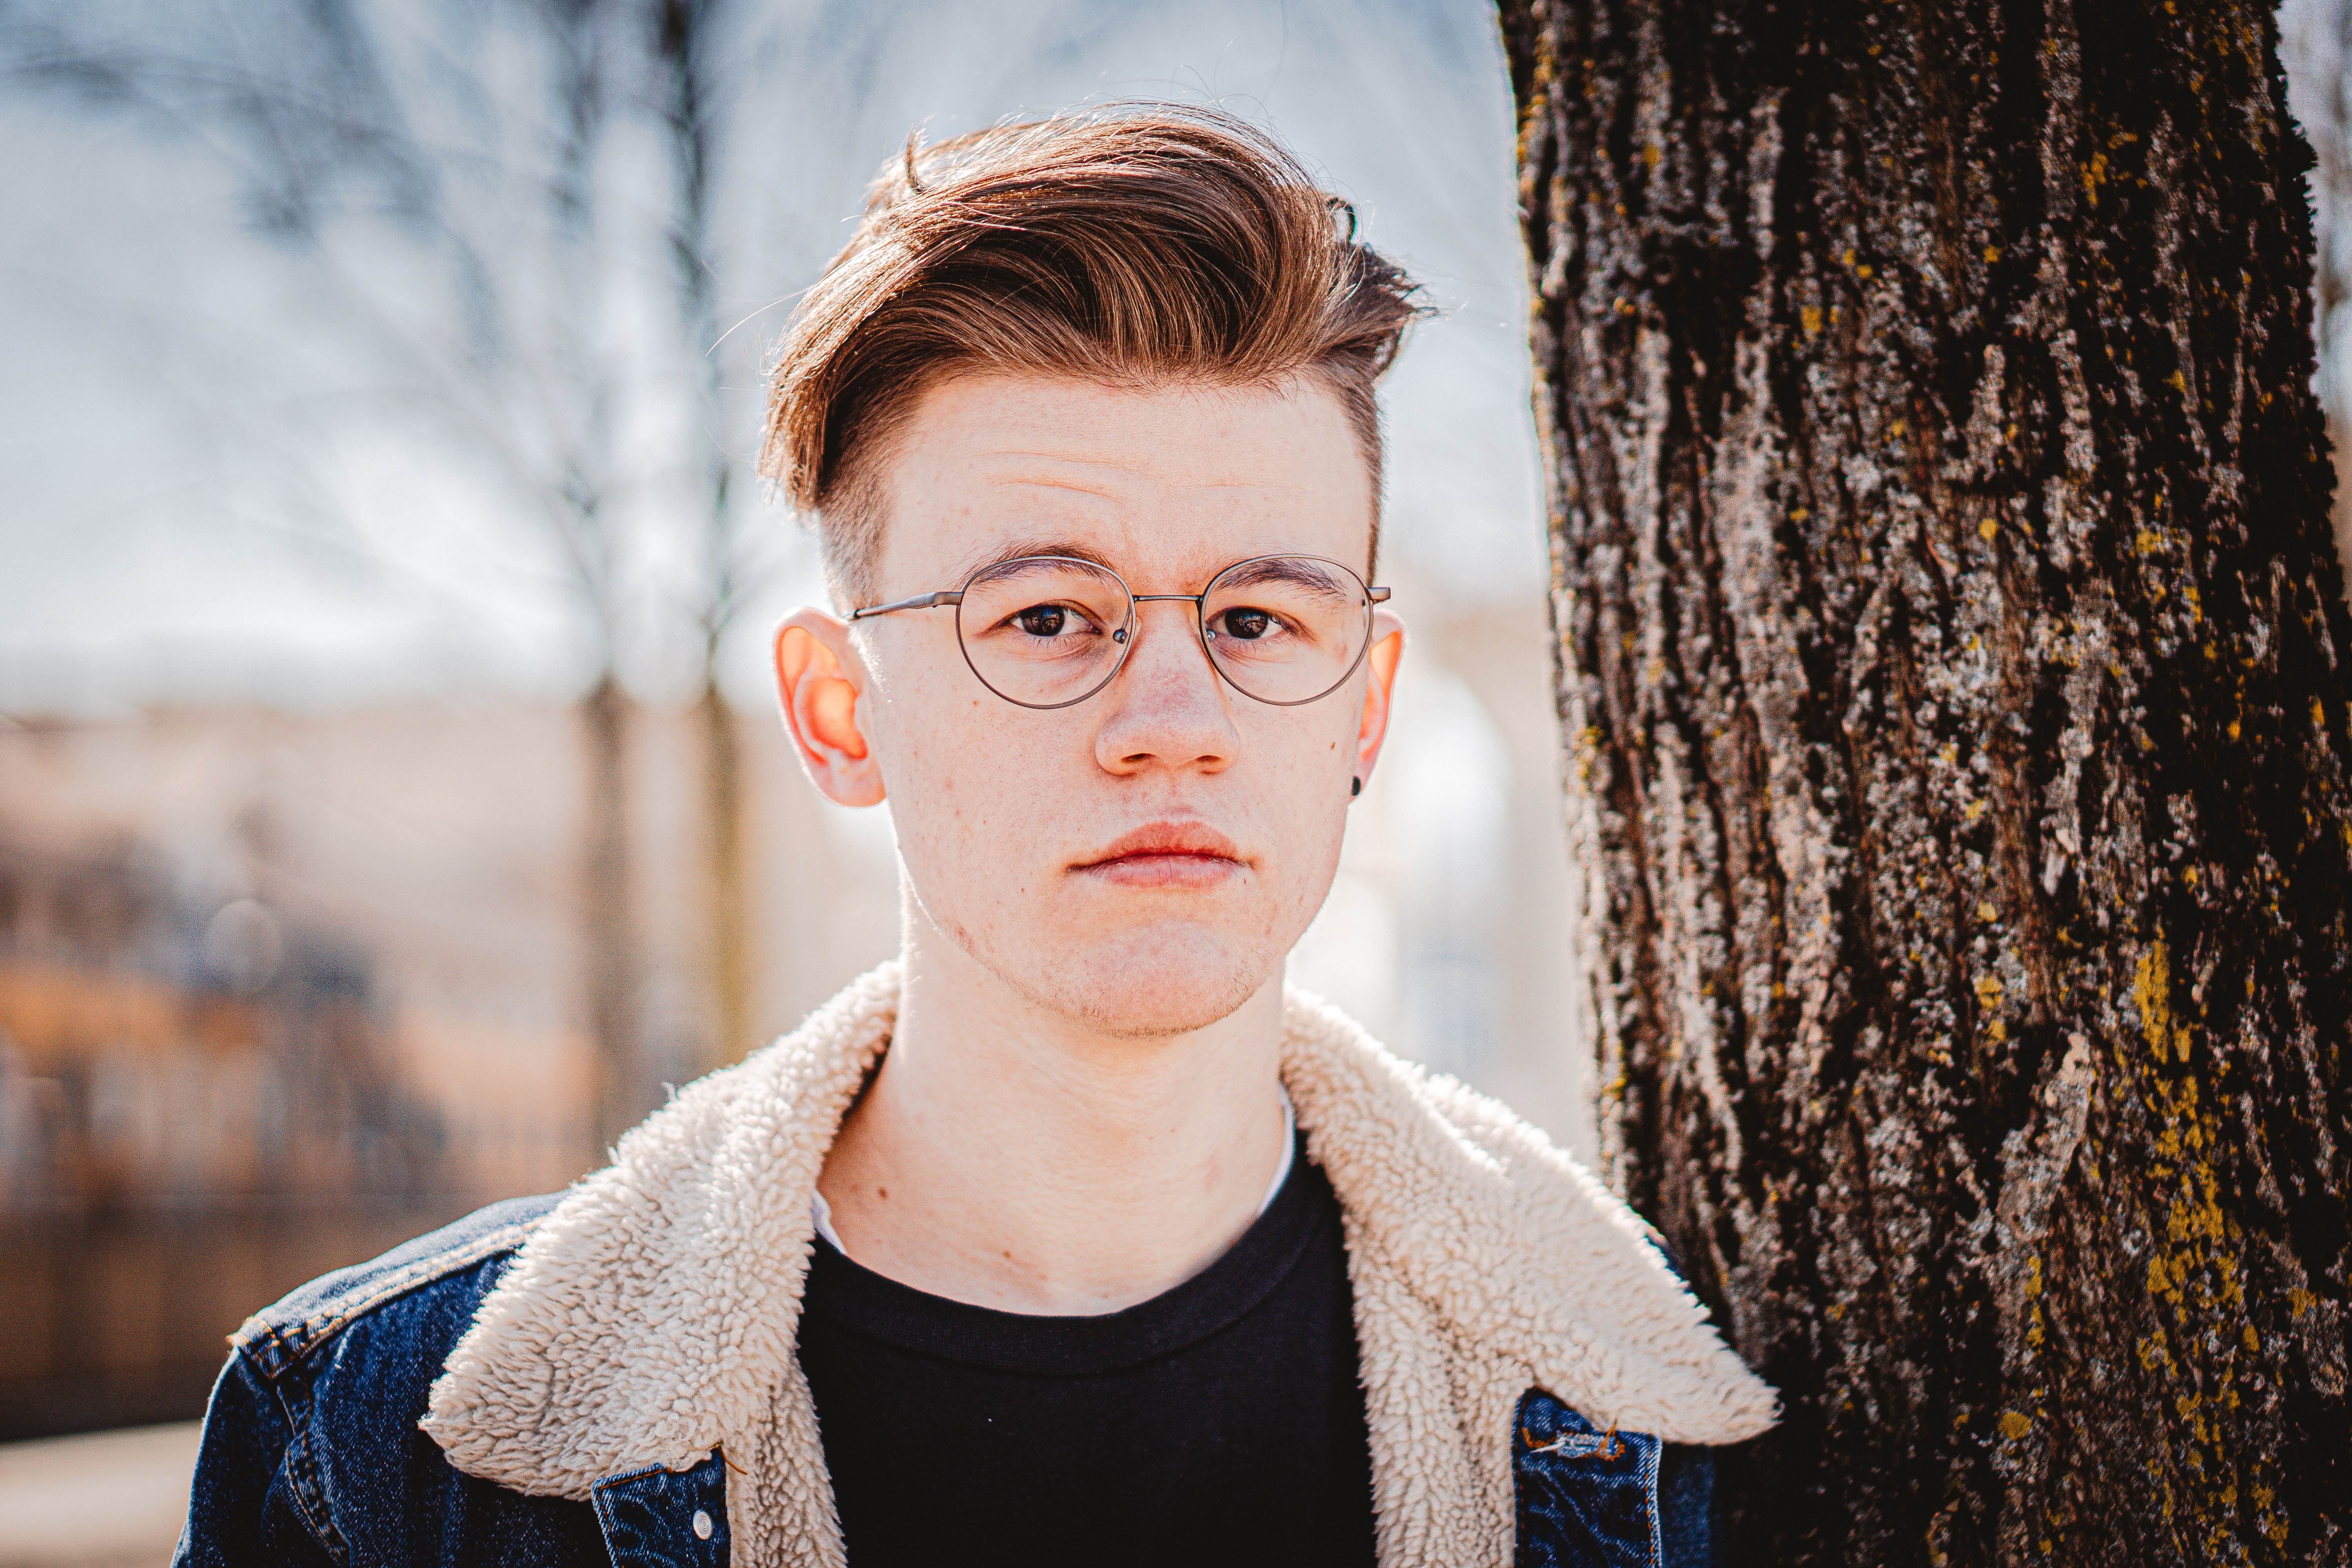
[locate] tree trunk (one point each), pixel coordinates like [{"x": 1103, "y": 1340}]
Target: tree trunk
[
  {"x": 691, "y": 50},
  {"x": 608, "y": 924},
  {"x": 726, "y": 876},
  {"x": 1948, "y": 627}
]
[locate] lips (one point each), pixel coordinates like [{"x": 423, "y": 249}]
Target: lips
[{"x": 1167, "y": 854}]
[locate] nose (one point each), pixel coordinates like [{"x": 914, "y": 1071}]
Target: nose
[{"x": 1167, "y": 707}]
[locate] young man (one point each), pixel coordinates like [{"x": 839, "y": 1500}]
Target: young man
[{"x": 1068, "y": 1237}]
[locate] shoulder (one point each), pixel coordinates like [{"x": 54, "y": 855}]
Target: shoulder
[
  {"x": 311, "y": 1447},
  {"x": 439, "y": 1275}
]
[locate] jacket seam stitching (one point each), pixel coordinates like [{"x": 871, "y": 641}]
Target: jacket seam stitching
[
  {"x": 303, "y": 1484},
  {"x": 1652, "y": 1462},
  {"x": 637, "y": 1475},
  {"x": 599, "y": 1500},
  {"x": 267, "y": 1337},
  {"x": 331, "y": 1321}
]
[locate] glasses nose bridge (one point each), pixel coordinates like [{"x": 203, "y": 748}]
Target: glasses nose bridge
[{"x": 1136, "y": 621}]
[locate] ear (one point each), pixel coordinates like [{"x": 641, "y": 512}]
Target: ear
[
  {"x": 818, "y": 682},
  {"x": 1379, "y": 691}
]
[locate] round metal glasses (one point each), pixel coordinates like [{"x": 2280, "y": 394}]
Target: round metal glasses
[{"x": 1048, "y": 631}]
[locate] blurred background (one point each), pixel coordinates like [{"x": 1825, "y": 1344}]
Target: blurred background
[
  {"x": 392, "y": 802},
  {"x": 392, "y": 799}
]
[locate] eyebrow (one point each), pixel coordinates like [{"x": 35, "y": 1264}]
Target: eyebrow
[
  {"x": 1020, "y": 548},
  {"x": 1279, "y": 567},
  {"x": 1291, "y": 569}
]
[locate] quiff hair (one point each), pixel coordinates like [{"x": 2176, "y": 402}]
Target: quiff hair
[{"x": 1135, "y": 244}]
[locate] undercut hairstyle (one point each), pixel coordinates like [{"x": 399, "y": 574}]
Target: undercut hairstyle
[{"x": 1138, "y": 245}]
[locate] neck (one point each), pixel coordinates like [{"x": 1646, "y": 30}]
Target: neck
[{"x": 1009, "y": 1156}]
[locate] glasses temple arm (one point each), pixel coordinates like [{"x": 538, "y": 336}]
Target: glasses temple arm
[{"x": 919, "y": 602}]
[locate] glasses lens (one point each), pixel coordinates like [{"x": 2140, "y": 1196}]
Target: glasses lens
[
  {"x": 1287, "y": 629},
  {"x": 1044, "y": 630}
]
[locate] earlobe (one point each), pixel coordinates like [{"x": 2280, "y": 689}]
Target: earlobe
[
  {"x": 1380, "y": 690},
  {"x": 818, "y": 692}
]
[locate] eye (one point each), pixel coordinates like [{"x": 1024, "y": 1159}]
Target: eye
[
  {"x": 1043, "y": 620},
  {"x": 1247, "y": 625}
]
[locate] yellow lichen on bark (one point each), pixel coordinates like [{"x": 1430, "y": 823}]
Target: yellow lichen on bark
[{"x": 2195, "y": 1271}]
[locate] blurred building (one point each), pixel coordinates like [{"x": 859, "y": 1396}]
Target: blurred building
[
  {"x": 198, "y": 1097},
  {"x": 278, "y": 990}
]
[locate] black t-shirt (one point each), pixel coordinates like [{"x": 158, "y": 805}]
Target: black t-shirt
[{"x": 1220, "y": 1422}]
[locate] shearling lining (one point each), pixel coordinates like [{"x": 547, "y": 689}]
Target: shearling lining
[{"x": 650, "y": 1318}]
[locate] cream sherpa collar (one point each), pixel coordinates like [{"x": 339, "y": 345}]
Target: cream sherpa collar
[{"x": 650, "y": 1318}]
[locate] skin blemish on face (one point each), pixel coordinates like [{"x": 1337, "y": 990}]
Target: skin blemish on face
[{"x": 882, "y": 1191}]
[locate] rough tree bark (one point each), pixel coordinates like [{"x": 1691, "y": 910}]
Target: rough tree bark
[{"x": 1949, "y": 645}]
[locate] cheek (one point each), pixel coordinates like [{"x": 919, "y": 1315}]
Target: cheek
[
  {"x": 936, "y": 760},
  {"x": 1325, "y": 750},
  {"x": 1308, "y": 796},
  {"x": 971, "y": 779}
]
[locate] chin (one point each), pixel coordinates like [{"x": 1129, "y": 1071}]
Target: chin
[{"x": 1150, "y": 983}]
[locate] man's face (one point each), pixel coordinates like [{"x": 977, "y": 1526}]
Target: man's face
[{"x": 1144, "y": 860}]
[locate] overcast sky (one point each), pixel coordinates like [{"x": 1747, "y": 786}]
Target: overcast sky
[{"x": 227, "y": 476}]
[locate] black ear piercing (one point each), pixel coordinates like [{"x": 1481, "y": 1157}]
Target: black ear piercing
[{"x": 1355, "y": 788}]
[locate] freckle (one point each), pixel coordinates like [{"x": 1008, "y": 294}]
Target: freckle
[{"x": 883, "y": 1191}]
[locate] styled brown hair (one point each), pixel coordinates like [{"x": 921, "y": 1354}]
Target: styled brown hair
[{"x": 1136, "y": 244}]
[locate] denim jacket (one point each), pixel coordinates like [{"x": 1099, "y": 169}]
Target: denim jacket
[
  {"x": 312, "y": 1455},
  {"x": 607, "y": 1376}
]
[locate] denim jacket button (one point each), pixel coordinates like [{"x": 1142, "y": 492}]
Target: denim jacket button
[{"x": 703, "y": 1523}]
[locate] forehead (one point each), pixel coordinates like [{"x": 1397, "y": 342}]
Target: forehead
[{"x": 1174, "y": 479}]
